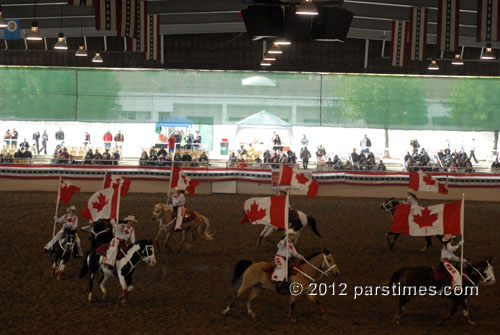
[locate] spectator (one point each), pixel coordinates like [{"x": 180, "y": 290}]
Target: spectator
[
  {"x": 292, "y": 158},
  {"x": 424, "y": 157},
  {"x": 97, "y": 157},
  {"x": 283, "y": 159},
  {"x": 162, "y": 152},
  {"x": 86, "y": 139},
  {"x": 177, "y": 157},
  {"x": 320, "y": 153},
  {"x": 355, "y": 157},
  {"x": 186, "y": 157},
  {"x": 7, "y": 137},
  {"x": 203, "y": 157},
  {"x": 8, "y": 158},
  {"x": 365, "y": 144},
  {"x": 15, "y": 135},
  {"x": 178, "y": 139},
  {"x": 106, "y": 157},
  {"x": 242, "y": 152},
  {"x": 24, "y": 145},
  {"x": 116, "y": 157},
  {"x": 305, "y": 155},
  {"x": 472, "y": 153},
  {"x": 171, "y": 143},
  {"x": 189, "y": 141},
  {"x": 197, "y": 140},
  {"x": 414, "y": 143},
  {"x": 107, "y": 138},
  {"x": 276, "y": 142},
  {"x": 267, "y": 157},
  {"x": 60, "y": 137},
  {"x": 183, "y": 139},
  {"x": 233, "y": 160},
  {"x": 89, "y": 157},
  {"x": 18, "y": 154},
  {"x": 194, "y": 163},
  {"x": 381, "y": 166},
  {"x": 36, "y": 138},
  {"x": 257, "y": 164},
  {"x": 143, "y": 161},
  {"x": 304, "y": 141},
  {"x": 250, "y": 151},
  {"x": 119, "y": 138},
  {"x": 495, "y": 166},
  {"x": 329, "y": 163},
  {"x": 347, "y": 165},
  {"x": 468, "y": 166},
  {"x": 370, "y": 162}
]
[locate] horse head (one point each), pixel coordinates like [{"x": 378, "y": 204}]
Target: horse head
[
  {"x": 159, "y": 212},
  {"x": 147, "y": 252},
  {"x": 482, "y": 271},
  {"x": 389, "y": 205},
  {"x": 329, "y": 265}
]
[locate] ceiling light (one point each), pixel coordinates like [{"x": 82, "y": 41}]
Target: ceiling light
[
  {"x": 265, "y": 63},
  {"x": 457, "y": 60},
  {"x": 3, "y": 23},
  {"x": 488, "y": 54},
  {"x": 97, "y": 58},
  {"x": 307, "y": 7},
  {"x": 34, "y": 34},
  {"x": 275, "y": 50},
  {"x": 61, "y": 42},
  {"x": 282, "y": 41},
  {"x": 269, "y": 57},
  {"x": 81, "y": 52},
  {"x": 433, "y": 66}
]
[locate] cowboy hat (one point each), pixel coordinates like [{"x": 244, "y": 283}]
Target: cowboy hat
[
  {"x": 448, "y": 237},
  {"x": 413, "y": 195},
  {"x": 130, "y": 218},
  {"x": 71, "y": 208},
  {"x": 291, "y": 232}
]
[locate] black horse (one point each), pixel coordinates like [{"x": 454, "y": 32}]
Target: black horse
[
  {"x": 390, "y": 206},
  {"x": 474, "y": 275},
  {"x": 101, "y": 232},
  {"x": 62, "y": 250}
]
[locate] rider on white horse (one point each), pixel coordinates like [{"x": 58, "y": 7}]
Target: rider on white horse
[
  {"x": 178, "y": 202},
  {"x": 124, "y": 232},
  {"x": 447, "y": 255},
  {"x": 69, "y": 221},
  {"x": 281, "y": 269}
]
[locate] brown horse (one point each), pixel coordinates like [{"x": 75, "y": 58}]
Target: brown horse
[
  {"x": 256, "y": 277},
  {"x": 424, "y": 277},
  {"x": 164, "y": 215}
]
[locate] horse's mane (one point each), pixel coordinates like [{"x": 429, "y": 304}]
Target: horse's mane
[{"x": 313, "y": 255}]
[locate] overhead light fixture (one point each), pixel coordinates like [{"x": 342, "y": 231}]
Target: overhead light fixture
[
  {"x": 282, "y": 41},
  {"x": 307, "y": 7},
  {"x": 34, "y": 34},
  {"x": 81, "y": 52},
  {"x": 3, "y": 23},
  {"x": 97, "y": 58},
  {"x": 61, "y": 41},
  {"x": 275, "y": 50},
  {"x": 265, "y": 63},
  {"x": 457, "y": 60},
  {"x": 488, "y": 54},
  {"x": 269, "y": 57},
  {"x": 433, "y": 66}
]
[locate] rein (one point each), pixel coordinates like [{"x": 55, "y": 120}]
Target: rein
[
  {"x": 323, "y": 273},
  {"x": 483, "y": 279}
]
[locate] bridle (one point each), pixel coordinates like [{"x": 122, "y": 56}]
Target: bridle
[
  {"x": 324, "y": 273},
  {"x": 149, "y": 253},
  {"x": 490, "y": 275}
]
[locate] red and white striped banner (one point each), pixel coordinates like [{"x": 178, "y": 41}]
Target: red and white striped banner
[
  {"x": 106, "y": 14},
  {"x": 418, "y": 33},
  {"x": 488, "y": 27},
  {"x": 127, "y": 22},
  {"x": 153, "y": 49},
  {"x": 448, "y": 20},
  {"x": 399, "y": 42},
  {"x": 137, "y": 43}
]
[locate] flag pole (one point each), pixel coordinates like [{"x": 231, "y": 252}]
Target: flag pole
[
  {"x": 104, "y": 180},
  {"x": 286, "y": 233},
  {"x": 170, "y": 181},
  {"x": 57, "y": 205},
  {"x": 463, "y": 236}
]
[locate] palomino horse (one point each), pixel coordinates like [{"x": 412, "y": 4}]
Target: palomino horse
[
  {"x": 390, "y": 206},
  {"x": 417, "y": 277},
  {"x": 255, "y": 277},
  {"x": 125, "y": 267},
  {"x": 63, "y": 249},
  {"x": 164, "y": 215},
  {"x": 303, "y": 221}
]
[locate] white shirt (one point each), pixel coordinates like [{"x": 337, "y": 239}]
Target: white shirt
[
  {"x": 125, "y": 233},
  {"x": 411, "y": 201},
  {"x": 448, "y": 252},
  {"x": 178, "y": 200},
  {"x": 70, "y": 221},
  {"x": 292, "y": 252}
]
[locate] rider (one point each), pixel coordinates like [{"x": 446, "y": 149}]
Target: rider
[
  {"x": 281, "y": 269},
  {"x": 447, "y": 255},
  {"x": 412, "y": 199},
  {"x": 70, "y": 221},
  {"x": 124, "y": 232},
  {"x": 178, "y": 202}
]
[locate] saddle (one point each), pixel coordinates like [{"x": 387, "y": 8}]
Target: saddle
[
  {"x": 189, "y": 215},
  {"x": 103, "y": 248},
  {"x": 269, "y": 269}
]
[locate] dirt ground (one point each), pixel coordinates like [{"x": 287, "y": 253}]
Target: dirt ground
[{"x": 185, "y": 293}]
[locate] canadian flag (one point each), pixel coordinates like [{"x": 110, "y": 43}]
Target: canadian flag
[
  {"x": 180, "y": 179},
  {"x": 295, "y": 179},
  {"x": 421, "y": 181},
  {"x": 268, "y": 210},
  {"x": 66, "y": 191},
  {"x": 102, "y": 204},
  {"x": 114, "y": 181},
  {"x": 426, "y": 221}
]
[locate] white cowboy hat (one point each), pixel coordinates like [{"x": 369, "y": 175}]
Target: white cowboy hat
[
  {"x": 71, "y": 208},
  {"x": 130, "y": 218},
  {"x": 448, "y": 237},
  {"x": 291, "y": 232}
]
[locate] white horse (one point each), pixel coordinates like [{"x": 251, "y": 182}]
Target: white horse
[{"x": 297, "y": 226}]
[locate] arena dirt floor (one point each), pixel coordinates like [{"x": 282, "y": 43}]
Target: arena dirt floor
[{"x": 185, "y": 293}]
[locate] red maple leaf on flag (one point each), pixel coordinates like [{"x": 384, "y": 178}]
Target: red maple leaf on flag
[
  {"x": 301, "y": 178},
  {"x": 425, "y": 219},
  {"x": 254, "y": 213},
  {"x": 101, "y": 202},
  {"x": 428, "y": 180}
]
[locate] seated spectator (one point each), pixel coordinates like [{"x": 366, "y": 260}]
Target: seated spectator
[
  {"x": 18, "y": 154},
  {"x": 257, "y": 164},
  {"x": 381, "y": 166},
  {"x": 495, "y": 165},
  {"x": 468, "y": 166},
  {"x": 424, "y": 157},
  {"x": 242, "y": 152},
  {"x": 370, "y": 162},
  {"x": 89, "y": 156},
  {"x": 186, "y": 157},
  {"x": 161, "y": 152},
  {"x": 116, "y": 157},
  {"x": 409, "y": 164},
  {"x": 97, "y": 157},
  {"x": 267, "y": 157},
  {"x": 143, "y": 161},
  {"x": 354, "y": 156},
  {"x": 233, "y": 159},
  {"x": 241, "y": 163},
  {"x": 194, "y": 163},
  {"x": 329, "y": 163},
  {"x": 177, "y": 157},
  {"x": 347, "y": 165},
  {"x": 24, "y": 144},
  {"x": 407, "y": 156},
  {"x": 292, "y": 158},
  {"x": 203, "y": 157},
  {"x": 283, "y": 159},
  {"x": 162, "y": 160},
  {"x": 152, "y": 152},
  {"x": 8, "y": 158},
  {"x": 1, "y": 158},
  {"x": 106, "y": 157},
  {"x": 320, "y": 153},
  {"x": 27, "y": 154}
]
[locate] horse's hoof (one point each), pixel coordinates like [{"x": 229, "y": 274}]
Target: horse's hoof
[
  {"x": 226, "y": 310},
  {"x": 90, "y": 297},
  {"x": 469, "y": 322},
  {"x": 423, "y": 249}
]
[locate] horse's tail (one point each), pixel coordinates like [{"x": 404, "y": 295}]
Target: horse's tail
[
  {"x": 239, "y": 269},
  {"x": 85, "y": 266},
  {"x": 312, "y": 223},
  {"x": 206, "y": 233},
  {"x": 397, "y": 276}
]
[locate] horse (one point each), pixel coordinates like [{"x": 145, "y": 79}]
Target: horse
[
  {"x": 390, "y": 206},
  {"x": 164, "y": 215},
  {"x": 480, "y": 273},
  {"x": 258, "y": 277},
  {"x": 62, "y": 250},
  {"x": 303, "y": 221},
  {"x": 101, "y": 232},
  {"x": 125, "y": 267}
]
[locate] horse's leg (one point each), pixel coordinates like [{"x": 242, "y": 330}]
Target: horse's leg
[
  {"x": 157, "y": 237},
  {"x": 183, "y": 239},
  {"x": 243, "y": 287},
  {"x": 291, "y": 307},
  {"x": 396, "y": 236},
  {"x": 403, "y": 301},
  {"x": 169, "y": 232},
  {"x": 452, "y": 311},
  {"x": 465, "y": 310},
  {"x": 123, "y": 283},
  {"x": 102, "y": 282},
  {"x": 315, "y": 300},
  {"x": 61, "y": 269},
  {"x": 92, "y": 271},
  {"x": 428, "y": 243},
  {"x": 255, "y": 292}
]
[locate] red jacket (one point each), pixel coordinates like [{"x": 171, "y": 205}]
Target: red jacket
[
  {"x": 107, "y": 137},
  {"x": 171, "y": 142}
]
